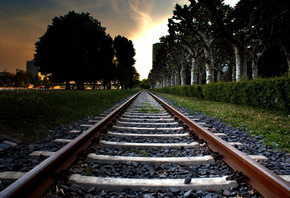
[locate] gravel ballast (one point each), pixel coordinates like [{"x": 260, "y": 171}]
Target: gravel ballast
[{"x": 17, "y": 159}]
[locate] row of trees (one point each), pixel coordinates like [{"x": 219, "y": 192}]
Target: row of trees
[
  {"x": 77, "y": 48},
  {"x": 209, "y": 41},
  {"x": 20, "y": 79}
]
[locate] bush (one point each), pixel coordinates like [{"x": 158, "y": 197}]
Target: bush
[
  {"x": 238, "y": 93},
  {"x": 272, "y": 93},
  {"x": 182, "y": 91},
  {"x": 195, "y": 91}
]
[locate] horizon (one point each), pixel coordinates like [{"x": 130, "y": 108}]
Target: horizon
[{"x": 142, "y": 22}]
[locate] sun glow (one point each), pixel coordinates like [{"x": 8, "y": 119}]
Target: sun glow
[{"x": 143, "y": 46}]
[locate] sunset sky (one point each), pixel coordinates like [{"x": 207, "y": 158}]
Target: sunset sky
[{"x": 23, "y": 22}]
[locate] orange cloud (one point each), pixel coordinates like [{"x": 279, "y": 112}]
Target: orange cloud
[{"x": 23, "y": 22}]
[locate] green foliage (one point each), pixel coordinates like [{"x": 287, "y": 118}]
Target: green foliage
[
  {"x": 182, "y": 90},
  {"x": 239, "y": 94},
  {"x": 272, "y": 125},
  {"x": 33, "y": 113},
  {"x": 267, "y": 50},
  {"x": 144, "y": 84},
  {"x": 272, "y": 93}
]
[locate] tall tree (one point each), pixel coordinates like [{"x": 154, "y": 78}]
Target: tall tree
[
  {"x": 163, "y": 67},
  {"x": 276, "y": 26},
  {"x": 125, "y": 52},
  {"x": 72, "y": 48},
  {"x": 182, "y": 36},
  {"x": 195, "y": 19},
  {"x": 105, "y": 72},
  {"x": 238, "y": 27}
]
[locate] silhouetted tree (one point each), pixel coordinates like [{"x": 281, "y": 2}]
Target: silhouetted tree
[
  {"x": 74, "y": 48},
  {"x": 125, "y": 52}
]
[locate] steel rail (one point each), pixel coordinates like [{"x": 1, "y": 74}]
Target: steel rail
[
  {"x": 266, "y": 182},
  {"x": 40, "y": 178}
]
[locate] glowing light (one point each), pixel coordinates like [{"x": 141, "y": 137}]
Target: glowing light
[
  {"x": 232, "y": 3},
  {"x": 143, "y": 46}
]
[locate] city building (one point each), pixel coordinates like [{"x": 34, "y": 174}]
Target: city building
[
  {"x": 156, "y": 47},
  {"x": 31, "y": 68}
]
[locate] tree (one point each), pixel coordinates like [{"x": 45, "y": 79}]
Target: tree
[
  {"x": 161, "y": 70},
  {"x": 144, "y": 84},
  {"x": 72, "y": 49},
  {"x": 106, "y": 71},
  {"x": 171, "y": 64},
  {"x": 245, "y": 28},
  {"x": 225, "y": 40},
  {"x": 195, "y": 19},
  {"x": 182, "y": 36},
  {"x": 125, "y": 52},
  {"x": 276, "y": 27}
]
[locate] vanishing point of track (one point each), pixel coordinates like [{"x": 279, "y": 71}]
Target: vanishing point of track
[{"x": 38, "y": 180}]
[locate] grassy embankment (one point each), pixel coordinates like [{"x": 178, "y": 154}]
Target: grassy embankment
[
  {"x": 29, "y": 115},
  {"x": 272, "y": 125}
]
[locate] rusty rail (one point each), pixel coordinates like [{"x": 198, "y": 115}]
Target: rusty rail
[
  {"x": 39, "y": 179},
  {"x": 262, "y": 179}
]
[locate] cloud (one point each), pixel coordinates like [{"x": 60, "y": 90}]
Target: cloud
[
  {"x": 141, "y": 13},
  {"x": 23, "y": 22},
  {"x": 153, "y": 26}
]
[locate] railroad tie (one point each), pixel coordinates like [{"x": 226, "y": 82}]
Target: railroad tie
[
  {"x": 45, "y": 154},
  {"x": 118, "y": 184}
]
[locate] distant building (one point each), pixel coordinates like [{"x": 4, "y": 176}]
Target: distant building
[
  {"x": 156, "y": 47},
  {"x": 31, "y": 68}
]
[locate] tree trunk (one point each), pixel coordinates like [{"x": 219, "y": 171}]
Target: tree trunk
[
  {"x": 201, "y": 74},
  {"x": 80, "y": 85},
  {"x": 163, "y": 81},
  {"x": 109, "y": 85},
  {"x": 182, "y": 75},
  {"x": 219, "y": 75},
  {"x": 208, "y": 65},
  {"x": 233, "y": 73},
  {"x": 241, "y": 62},
  {"x": 255, "y": 71},
  {"x": 67, "y": 85},
  {"x": 245, "y": 63},
  {"x": 177, "y": 78},
  {"x": 287, "y": 55},
  {"x": 194, "y": 71},
  {"x": 238, "y": 63},
  {"x": 94, "y": 85},
  {"x": 172, "y": 78},
  {"x": 288, "y": 61}
]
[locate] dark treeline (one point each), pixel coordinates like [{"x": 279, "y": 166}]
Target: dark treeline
[
  {"x": 209, "y": 41},
  {"x": 77, "y": 48},
  {"x": 21, "y": 79}
]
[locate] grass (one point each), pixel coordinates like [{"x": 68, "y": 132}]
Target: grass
[
  {"x": 273, "y": 126},
  {"x": 144, "y": 153},
  {"x": 147, "y": 108},
  {"x": 29, "y": 115}
]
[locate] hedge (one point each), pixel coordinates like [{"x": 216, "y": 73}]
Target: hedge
[{"x": 271, "y": 93}]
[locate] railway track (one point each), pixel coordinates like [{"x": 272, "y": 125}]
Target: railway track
[{"x": 145, "y": 149}]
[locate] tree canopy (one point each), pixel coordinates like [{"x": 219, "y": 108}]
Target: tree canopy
[
  {"x": 125, "y": 52},
  {"x": 221, "y": 43},
  {"x": 77, "y": 48}
]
